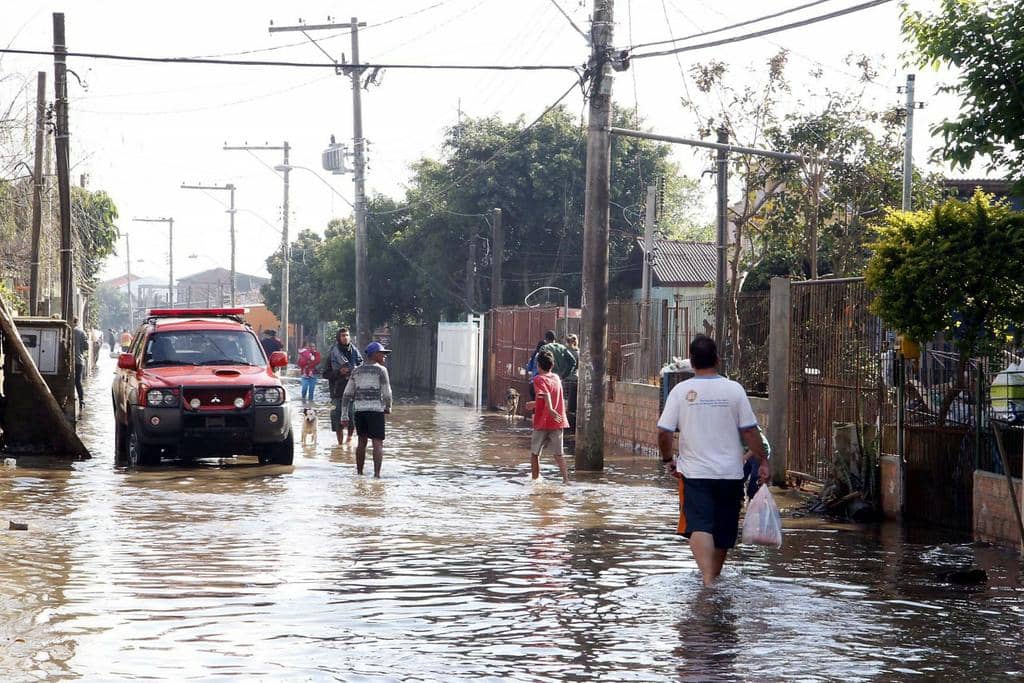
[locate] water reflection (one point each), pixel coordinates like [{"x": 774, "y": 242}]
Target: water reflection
[{"x": 456, "y": 566}]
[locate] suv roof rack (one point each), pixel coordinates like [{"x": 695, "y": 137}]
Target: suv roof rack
[{"x": 232, "y": 313}]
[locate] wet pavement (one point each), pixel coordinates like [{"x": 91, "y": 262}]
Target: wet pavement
[{"x": 455, "y": 566}]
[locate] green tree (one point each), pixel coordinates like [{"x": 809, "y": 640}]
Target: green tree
[
  {"x": 953, "y": 269},
  {"x": 111, "y": 308},
  {"x": 93, "y": 222},
  {"x": 984, "y": 41},
  {"x": 307, "y": 296}
]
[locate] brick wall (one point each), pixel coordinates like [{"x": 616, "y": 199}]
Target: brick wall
[
  {"x": 632, "y": 412},
  {"x": 994, "y": 520}
]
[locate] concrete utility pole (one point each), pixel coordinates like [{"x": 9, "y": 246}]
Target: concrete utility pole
[
  {"x": 497, "y": 251},
  {"x": 285, "y": 168},
  {"x": 229, "y": 187},
  {"x": 37, "y": 193},
  {"x": 594, "y": 325},
  {"x": 60, "y": 84},
  {"x": 908, "y": 144},
  {"x": 721, "y": 236},
  {"x": 128, "y": 265},
  {"x": 170, "y": 253},
  {"x": 648, "y": 266},
  {"x": 354, "y": 71}
]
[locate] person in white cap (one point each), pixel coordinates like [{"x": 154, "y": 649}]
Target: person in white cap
[{"x": 369, "y": 392}]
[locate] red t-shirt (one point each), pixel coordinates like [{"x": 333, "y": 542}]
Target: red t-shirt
[{"x": 550, "y": 385}]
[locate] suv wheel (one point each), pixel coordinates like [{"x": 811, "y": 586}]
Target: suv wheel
[
  {"x": 281, "y": 453},
  {"x": 139, "y": 454},
  {"x": 120, "y": 444}
]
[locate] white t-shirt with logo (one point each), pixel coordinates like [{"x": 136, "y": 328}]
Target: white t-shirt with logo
[{"x": 708, "y": 411}]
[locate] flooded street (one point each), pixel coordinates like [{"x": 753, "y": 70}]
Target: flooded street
[{"x": 454, "y": 566}]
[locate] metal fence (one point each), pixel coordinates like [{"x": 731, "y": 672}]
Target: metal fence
[
  {"x": 836, "y": 352},
  {"x": 642, "y": 338}
]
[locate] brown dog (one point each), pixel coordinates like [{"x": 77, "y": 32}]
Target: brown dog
[{"x": 511, "y": 404}]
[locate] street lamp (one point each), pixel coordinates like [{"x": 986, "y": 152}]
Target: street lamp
[
  {"x": 526, "y": 301},
  {"x": 231, "y": 211},
  {"x": 170, "y": 253}
]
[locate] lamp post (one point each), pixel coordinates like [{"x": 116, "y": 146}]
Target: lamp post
[
  {"x": 170, "y": 253},
  {"x": 229, "y": 187}
]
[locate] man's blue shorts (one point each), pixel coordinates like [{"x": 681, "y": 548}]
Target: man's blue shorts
[{"x": 713, "y": 506}]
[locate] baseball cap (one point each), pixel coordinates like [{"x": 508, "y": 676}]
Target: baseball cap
[{"x": 376, "y": 347}]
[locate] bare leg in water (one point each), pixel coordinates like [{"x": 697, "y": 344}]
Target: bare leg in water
[
  {"x": 360, "y": 454},
  {"x": 709, "y": 558},
  {"x": 378, "y": 456}
]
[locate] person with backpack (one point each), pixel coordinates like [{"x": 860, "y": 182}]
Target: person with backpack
[
  {"x": 565, "y": 361},
  {"x": 342, "y": 359}
]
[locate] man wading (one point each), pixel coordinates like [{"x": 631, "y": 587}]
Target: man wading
[
  {"x": 715, "y": 420},
  {"x": 342, "y": 359}
]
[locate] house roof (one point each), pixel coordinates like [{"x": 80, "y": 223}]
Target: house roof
[
  {"x": 218, "y": 276},
  {"x": 678, "y": 262}
]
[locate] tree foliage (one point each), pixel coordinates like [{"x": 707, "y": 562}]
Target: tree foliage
[
  {"x": 954, "y": 269},
  {"x": 984, "y": 40}
]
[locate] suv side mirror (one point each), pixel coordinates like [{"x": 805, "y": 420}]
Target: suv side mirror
[
  {"x": 278, "y": 359},
  {"x": 126, "y": 361}
]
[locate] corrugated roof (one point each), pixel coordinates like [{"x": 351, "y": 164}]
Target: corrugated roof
[{"x": 680, "y": 262}]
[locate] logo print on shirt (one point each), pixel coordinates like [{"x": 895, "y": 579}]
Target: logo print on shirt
[{"x": 691, "y": 396}]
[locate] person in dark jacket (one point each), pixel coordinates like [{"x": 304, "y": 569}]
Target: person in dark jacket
[
  {"x": 270, "y": 342},
  {"x": 342, "y": 359},
  {"x": 565, "y": 361}
]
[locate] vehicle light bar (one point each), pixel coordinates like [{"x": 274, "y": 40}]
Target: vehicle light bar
[{"x": 195, "y": 312}]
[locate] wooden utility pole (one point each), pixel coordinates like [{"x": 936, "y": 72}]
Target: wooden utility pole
[
  {"x": 60, "y": 84},
  {"x": 359, "y": 178},
  {"x": 589, "y": 453},
  {"x": 497, "y": 256},
  {"x": 37, "y": 193}
]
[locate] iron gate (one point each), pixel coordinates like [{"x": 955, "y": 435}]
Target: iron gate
[{"x": 835, "y": 373}]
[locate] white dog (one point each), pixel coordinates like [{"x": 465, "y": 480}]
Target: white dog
[{"x": 309, "y": 425}]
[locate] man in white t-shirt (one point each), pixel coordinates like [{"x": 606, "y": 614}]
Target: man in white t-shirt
[{"x": 714, "y": 420}]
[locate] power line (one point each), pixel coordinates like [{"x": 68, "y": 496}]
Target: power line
[
  {"x": 747, "y": 22},
  {"x": 571, "y": 22},
  {"x": 764, "y": 32},
  {"x": 301, "y": 65}
]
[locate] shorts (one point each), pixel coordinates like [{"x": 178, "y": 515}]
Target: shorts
[
  {"x": 546, "y": 437},
  {"x": 370, "y": 423},
  {"x": 713, "y": 506}
]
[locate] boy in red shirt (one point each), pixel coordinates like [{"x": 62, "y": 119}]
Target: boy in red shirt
[{"x": 549, "y": 418}]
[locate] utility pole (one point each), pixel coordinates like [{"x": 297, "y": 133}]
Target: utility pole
[
  {"x": 128, "y": 265},
  {"x": 60, "y": 84},
  {"x": 354, "y": 71},
  {"x": 721, "y": 236},
  {"x": 648, "y": 265},
  {"x": 285, "y": 169},
  {"x": 497, "y": 250},
  {"x": 170, "y": 253},
  {"x": 908, "y": 143},
  {"x": 589, "y": 453},
  {"x": 37, "y": 193},
  {"x": 471, "y": 275},
  {"x": 229, "y": 187}
]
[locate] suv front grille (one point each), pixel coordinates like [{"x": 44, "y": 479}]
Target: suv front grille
[{"x": 216, "y": 398}]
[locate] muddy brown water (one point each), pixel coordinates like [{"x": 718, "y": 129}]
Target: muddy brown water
[{"x": 455, "y": 567}]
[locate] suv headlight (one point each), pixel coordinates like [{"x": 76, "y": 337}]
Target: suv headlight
[
  {"x": 161, "y": 398},
  {"x": 268, "y": 396}
]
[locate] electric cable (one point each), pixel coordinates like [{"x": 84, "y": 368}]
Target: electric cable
[
  {"x": 763, "y": 32},
  {"x": 300, "y": 65}
]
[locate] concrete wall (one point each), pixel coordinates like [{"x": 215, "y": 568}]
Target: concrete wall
[
  {"x": 994, "y": 520},
  {"x": 892, "y": 488},
  {"x": 632, "y": 412}
]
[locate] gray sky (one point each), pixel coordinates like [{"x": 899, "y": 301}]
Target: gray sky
[{"x": 140, "y": 130}]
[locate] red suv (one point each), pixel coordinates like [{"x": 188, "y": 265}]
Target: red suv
[{"x": 197, "y": 383}]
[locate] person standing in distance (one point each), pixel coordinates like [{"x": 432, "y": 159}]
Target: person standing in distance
[
  {"x": 81, "y": 355},
  {"x": 369, "y": 393},
  {"x": 715, "y": 421}
]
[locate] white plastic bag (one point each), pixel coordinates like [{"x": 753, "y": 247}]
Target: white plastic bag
[{"x": 763, "y": 523}]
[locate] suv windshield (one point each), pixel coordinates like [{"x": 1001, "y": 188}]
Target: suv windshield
[{"x": 202, "y": 347}]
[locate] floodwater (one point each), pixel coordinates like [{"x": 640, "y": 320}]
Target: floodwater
[{"x": 455, "y": 567}]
